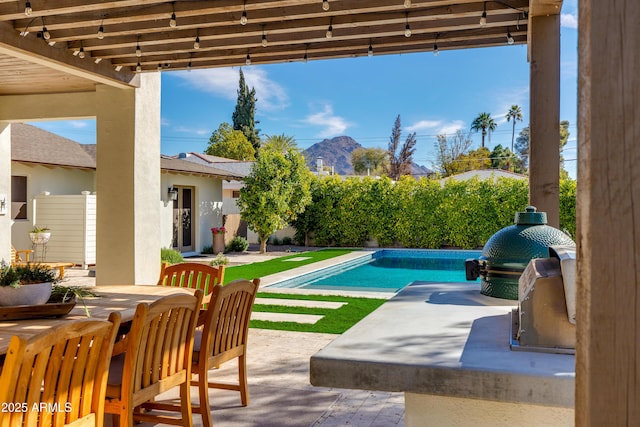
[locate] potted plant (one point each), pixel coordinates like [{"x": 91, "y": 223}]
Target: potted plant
[
  {"x": 28, "y": 284},
  {"x": 218, "y": 239},
  {"x": 39, "y": 235}
]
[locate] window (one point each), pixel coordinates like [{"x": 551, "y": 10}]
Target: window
[
  {"x": 19, "y": 197},
  {"x": 236, "y": 194}
]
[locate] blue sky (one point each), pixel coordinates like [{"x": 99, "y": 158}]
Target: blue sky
[{"x": 361, "y": 97}]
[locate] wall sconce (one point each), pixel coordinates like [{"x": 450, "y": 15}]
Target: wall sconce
[{"x": 173, "y": 193}]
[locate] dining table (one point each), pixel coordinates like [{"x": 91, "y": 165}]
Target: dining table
[{"x": 113, "y": 298}]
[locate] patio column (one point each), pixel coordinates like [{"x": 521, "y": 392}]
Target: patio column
[
  {"x": 128, "y": 183},
  {"x": 608, "y": 311},
  {"x": 5, "y": 191},
  {"x": 544, "y": 141}
]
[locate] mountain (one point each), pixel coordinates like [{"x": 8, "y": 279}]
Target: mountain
[{"x": 336, "y": 153}]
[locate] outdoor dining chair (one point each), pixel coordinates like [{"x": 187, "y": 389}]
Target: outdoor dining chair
[
  {"x": 154, "y": 356},
  {"x": 192, "y": 275},
  {"x": 223, "y": 338},
  {"x": 58, "y": 377}
]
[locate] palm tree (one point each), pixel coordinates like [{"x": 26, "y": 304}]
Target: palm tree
[
  {"x": 484, "y": 122},
  {"x": 514, "y": 113}
]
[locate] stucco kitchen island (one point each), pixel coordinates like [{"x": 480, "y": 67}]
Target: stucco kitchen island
[{"x": 446, "y": 347}]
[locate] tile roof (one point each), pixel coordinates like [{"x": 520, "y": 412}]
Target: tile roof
[
  {"x": 236, "y": 167},
  {"x": 30, "y": 144}
]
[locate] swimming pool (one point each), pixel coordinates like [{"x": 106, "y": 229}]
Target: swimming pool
[{"x": 387, "y": 270}]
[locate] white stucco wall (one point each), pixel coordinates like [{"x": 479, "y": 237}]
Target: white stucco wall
[
  {"x": 208, "y": 203},
  {"x": 57, "y": 181}
]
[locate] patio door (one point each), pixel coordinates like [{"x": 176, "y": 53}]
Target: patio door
[{"x": 183, "y": 231}]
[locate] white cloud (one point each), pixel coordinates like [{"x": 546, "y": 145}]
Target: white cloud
[
  {"x": 424, "y": 125},
  {"x": 79, "y": 124},
  {"x": 569, "y": 20},
  {"x": 223, "y": 82},
  {"x": 451, "y": 127},
  {"x": 332, "y": 125},
  {"x": 184, "y": 129}
]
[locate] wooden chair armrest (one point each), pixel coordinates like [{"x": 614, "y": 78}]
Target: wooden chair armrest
[
  {"x": 26, "y": 253},
  {"x": 120, "y": 345}
]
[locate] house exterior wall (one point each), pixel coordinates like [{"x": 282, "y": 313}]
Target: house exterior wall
[
  {"x": 5, "y": 191},
  {"x": 207, "y": 199},
  {"x": 68, "y": 181},
  {"x": 56, "y": 181}
]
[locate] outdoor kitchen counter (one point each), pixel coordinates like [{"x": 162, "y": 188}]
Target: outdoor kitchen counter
[{"x": 447, "y": 346}]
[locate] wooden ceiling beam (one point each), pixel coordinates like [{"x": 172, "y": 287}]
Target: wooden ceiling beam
[{"x": 39, "y": 52}]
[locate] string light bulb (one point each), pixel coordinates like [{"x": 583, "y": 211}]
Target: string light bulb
[
  {"x": 329, "y": 33},
  {"x": 436, "y": 52},
  {"x": 243, "y": 18},
  {"x": 370, "y": 50},
  {"x": 173, "y": 22},
  {"x": 510, "y": 39},
  {"x": 305, "y": 58},
  {"x": 483, "y": 18},
  {"x": 27, "y": 9},
  {"x": 196, "y": 44},
  {"x": 81, "y": 54},
  {"x": 407, "y": 28},
  {"x": 138, "y": 50},
  {"x": 45, "y": 33},
  {"x": 325, "y": 5},
  {"x": 407, "y": 3},
  {"x": 248, "y": 60},
  {"x": 101, "y": 32},
  {"x": 138, "y": 67},
  {"x": 189, "y": 66},
  {"x": 264, "y": 41}
]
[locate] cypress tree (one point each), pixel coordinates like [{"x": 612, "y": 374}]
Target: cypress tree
[{"x": 244, "y": 115}]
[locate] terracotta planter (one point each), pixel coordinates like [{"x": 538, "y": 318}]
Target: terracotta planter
[
  {"x": 218, "y": 243},
  {"x": 33, "y": 294}
]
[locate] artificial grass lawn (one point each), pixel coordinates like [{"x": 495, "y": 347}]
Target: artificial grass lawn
[
  {"x": 335, "y": 321},
  {"x": 272, "y": 266}
]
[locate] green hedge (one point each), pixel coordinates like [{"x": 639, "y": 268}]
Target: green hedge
[{"x": 418, "y": 213}]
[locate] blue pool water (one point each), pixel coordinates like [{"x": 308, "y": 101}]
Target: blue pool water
[{"x": 387, "y": 270}]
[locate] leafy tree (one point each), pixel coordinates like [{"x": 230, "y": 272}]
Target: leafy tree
[
  {"x": 475, "y": 159},
  {"x": 522, "y": 146},
  {"x": 485, "y": 123},
  {"x": 400, "y": 163},
  {"x": 369, "y": 160},
  {"x": 230, "y": 143},
  {"x": 244, "y": 115},
  {"x": 275, "y": 192},
  {"x": 515, "y": 114},
  {"x": 449, "y": 149},
  {"x": 503, "y": 158}
]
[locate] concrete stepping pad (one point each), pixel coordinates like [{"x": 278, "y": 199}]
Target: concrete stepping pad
[
  {"x": 285, "y": 317},
  {"x": 300, "y": 303}
]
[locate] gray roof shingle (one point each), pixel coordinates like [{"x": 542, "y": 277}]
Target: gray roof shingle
[{"x": 30, "y": 144}]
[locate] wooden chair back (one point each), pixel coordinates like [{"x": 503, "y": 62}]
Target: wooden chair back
[
  {"x": 58, "y": 377},
  {"x": 16, "y": 257},
  {"x": 224, "y": 338},
  {"x": 192, "y": 275},
  {"x": 157, "y": 357}
]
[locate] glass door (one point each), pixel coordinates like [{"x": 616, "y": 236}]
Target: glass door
[{"x": 182, "y": 220}]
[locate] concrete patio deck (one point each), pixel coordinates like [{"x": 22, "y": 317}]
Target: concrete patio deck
[{"x": 279, "y": 387}]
